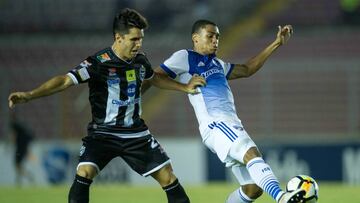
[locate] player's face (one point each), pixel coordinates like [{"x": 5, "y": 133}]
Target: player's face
[
  {"x": 128, "y": 45},
  {"x": 206, "y": 41}
]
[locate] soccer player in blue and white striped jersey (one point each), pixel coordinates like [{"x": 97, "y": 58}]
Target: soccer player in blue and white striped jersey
[{"x": 220, "y": 128}]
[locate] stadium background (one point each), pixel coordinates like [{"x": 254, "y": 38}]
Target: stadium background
[{"x": 302, "y": 108}]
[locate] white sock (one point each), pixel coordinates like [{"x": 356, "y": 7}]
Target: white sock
[
  {"x": 263, "y": 176},
  {"x": 238, "y": 196}
]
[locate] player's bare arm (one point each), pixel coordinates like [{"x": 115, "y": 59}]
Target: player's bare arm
[
  {"x": 145, "y": 86},
  {"x": 55, "y": 84},
  {"x": 255, "y": 63},
  {"x": 165, "y": 82}
]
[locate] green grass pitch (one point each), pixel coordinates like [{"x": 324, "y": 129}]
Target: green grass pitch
[{"x": 209, "y": 193}]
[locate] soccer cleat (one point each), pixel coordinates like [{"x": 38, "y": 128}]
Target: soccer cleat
[{"x": 296, "y": 196}]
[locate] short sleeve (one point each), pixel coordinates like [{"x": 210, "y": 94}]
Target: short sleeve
[
  {"x": 177, "y": 63},
  {"x": 149, "y": 73},
  {"x": 228, "y": 67},
  {"x": 83, "y": 72}
]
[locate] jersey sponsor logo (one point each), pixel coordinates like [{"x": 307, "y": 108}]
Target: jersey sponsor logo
[
  {"x": 130, "y": 75},
  {"x": 113, "y": 81},
  {"x": 103, "y": 57},
  {"x": 85, "y": 64},
  {"x": 131, "y": 90},
  {"x": 210, "y": 72},
  {"x": 83, "y": 73},
  {"x": 112, "y": 71},
  {"x": 125, "y": 103}
]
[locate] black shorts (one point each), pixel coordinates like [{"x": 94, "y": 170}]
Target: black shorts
[{"x": 144, "y": 154}]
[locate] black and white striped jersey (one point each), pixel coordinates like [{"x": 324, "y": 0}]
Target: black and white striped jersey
[{"x": 114, "y": 92}]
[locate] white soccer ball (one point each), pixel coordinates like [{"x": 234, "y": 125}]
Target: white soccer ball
[{"x": 308, "y": 184}]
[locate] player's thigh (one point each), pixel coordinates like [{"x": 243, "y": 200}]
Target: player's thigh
[
  {"x": 243, "y": 149},
  {"x": 145, "y": 155},
  {"x": 218, "y": 142},
  {"x": 95, "y": 153},
  {"x": 229, "y": 141}
]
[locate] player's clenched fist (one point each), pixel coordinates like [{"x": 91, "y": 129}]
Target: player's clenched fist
[
  {"x": 284, "y": 34},
  {"x": 195, "y": 81},
  {"x": 17, "y": 98}
]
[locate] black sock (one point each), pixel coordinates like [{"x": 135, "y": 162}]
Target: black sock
[
  {"x": 79, "y": 191},
  {"x": 176, "y": 193}
]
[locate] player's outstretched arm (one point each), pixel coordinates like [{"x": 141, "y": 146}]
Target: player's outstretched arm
[
  {"x": 55, "y": 84},
  {"x": 255, "y": 63},
  {"x": 163, "y": 81}
]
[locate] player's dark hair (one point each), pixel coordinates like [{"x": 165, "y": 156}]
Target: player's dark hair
[
  {"x": 126, "y": 19},
  {"x": 199, "y": 24}
]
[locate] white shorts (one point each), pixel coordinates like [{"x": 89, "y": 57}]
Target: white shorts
[{"x": 230, "y": 142}]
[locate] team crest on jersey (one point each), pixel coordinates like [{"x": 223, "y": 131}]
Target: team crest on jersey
[
  {"x": 130, "y": 75},
  {"x": 142, "y": 72},
  {"x": 103, "y": 57}
]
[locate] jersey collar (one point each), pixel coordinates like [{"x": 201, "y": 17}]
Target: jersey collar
[{"x": 206, "y": 57}]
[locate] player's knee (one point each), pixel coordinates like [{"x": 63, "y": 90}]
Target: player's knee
[
  {"x": 165, "y": 176},
  {"x": 252, "y": 191},
  {"x": 253, "y": 152},
  {"x": 87, "y": 171}
]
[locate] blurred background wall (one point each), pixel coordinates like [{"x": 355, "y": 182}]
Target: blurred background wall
[{"x": 308, "y": 92}]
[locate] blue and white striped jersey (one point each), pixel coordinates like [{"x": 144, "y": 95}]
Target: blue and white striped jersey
[{"x": 215, "y": 101}]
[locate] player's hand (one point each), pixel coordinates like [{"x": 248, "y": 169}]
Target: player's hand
[
  {"x": 284, "y": 34},
  {"x": 195, "y": 82},
  {"x": 18, "y": 98}
]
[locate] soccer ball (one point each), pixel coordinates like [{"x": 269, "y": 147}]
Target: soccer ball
[{"x": 308, "y": 184}]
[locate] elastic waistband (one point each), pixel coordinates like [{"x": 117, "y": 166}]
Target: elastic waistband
[{"x": 127, "y": 135}]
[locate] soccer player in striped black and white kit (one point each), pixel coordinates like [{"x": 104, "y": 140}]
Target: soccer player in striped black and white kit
[
  {"x": 220, "y": 128},
  {"x": 114, "y": 76}
]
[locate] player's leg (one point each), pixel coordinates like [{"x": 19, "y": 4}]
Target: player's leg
[
  {"x": 95, "y": 153},
  {"x": 146, "y": 156},
  {"x": 79, "y": 191},
  {"x": 234, "y": 146},
  {"x": 264, "y": 177},
  {"x": 249, "y": 191},
  {"x": 240, "y": 195},
  {"x": 228, "y": 140},
  {"x": 170, "y": 184}
]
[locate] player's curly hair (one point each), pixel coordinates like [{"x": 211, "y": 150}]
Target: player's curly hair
[{"x": 127, "y": 19}]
